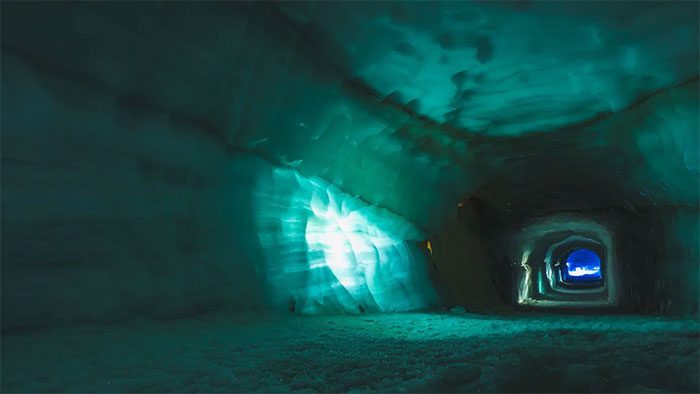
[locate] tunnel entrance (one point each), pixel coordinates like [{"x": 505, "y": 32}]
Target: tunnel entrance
[{"x": 581, "y": 267}]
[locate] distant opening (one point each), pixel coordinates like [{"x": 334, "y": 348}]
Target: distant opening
[{"x": 581, "y": 266}]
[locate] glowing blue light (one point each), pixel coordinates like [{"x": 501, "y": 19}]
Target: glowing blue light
[
  {"x": 582, "y": 265},
  {"x": 583, "y": 271}
]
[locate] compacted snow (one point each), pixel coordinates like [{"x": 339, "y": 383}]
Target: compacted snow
[{"x": 416, "y": 352}]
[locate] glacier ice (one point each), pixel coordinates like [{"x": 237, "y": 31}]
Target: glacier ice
[{"x": 328, "y": 251}]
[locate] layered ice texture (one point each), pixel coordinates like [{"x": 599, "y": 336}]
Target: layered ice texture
[{"x": 328, "y": 251}]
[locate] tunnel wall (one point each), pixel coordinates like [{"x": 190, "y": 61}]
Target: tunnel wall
[
  {"x": 110, "y": 211},
  {"x": 132, "y": 148}
]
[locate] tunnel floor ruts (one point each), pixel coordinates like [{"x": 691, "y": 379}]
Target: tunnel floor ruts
[{"x": 415, "y": 352}]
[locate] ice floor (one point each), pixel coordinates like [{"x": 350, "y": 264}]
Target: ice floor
[{"x": 400, "y": 352}]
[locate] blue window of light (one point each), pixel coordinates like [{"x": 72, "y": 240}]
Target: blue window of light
[{"x": 581, "y": 266}]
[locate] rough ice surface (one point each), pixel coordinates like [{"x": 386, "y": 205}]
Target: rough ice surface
[
  {"x": 327, "y": 251},
  {"x": 382, "y": 352},
  {"x": 458, "y": 64}
]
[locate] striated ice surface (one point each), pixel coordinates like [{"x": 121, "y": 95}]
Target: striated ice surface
[{"x": 328, "y": 251}]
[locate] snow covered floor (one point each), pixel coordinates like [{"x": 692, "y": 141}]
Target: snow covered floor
[{"x": 395, "y": 352}]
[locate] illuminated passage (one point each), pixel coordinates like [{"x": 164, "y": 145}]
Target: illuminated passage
[
  {"x": 582, "y": 265},
  {"x": 328, "y": 251}
]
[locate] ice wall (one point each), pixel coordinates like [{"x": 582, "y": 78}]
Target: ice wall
[
  {"x": 326, "y": 251},
  {"x": 132, "y": 147}
]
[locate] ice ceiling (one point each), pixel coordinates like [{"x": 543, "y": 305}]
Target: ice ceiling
[
  {"x": 226, "y": 155},
  {"x": 510, "y": 67}
]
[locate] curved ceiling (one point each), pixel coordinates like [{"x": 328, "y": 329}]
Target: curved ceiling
[{"x": 512, "y": 67}]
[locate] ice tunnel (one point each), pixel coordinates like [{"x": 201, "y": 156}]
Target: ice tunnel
[{"x": 349, "y": 196}]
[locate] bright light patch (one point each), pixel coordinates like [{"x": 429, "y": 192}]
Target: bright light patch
[
  {"x": 582, "y": 265},
  {"x": 583, "y": 271},
  {"x": 524, "y": 289},
  {"x": 327, "y": 251},
  {"x": 350, "y": 246}
]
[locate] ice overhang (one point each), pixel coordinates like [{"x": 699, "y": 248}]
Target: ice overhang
[{"x": 509, "y": 68}]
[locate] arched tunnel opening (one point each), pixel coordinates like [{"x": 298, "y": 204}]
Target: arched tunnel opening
[{"x": 350, "y": 196}]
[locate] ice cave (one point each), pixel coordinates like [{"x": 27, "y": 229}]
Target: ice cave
[{"x": 349, "y": 196}]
